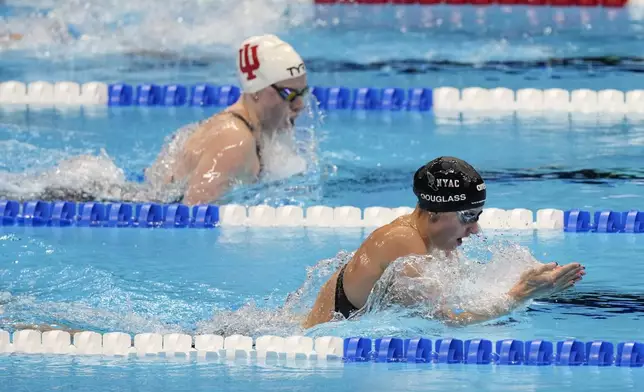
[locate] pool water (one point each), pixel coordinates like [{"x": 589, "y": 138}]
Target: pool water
[
  {"x": 155, "y": 374},
  {"x": 549, "y": 161},
  {"x": 260, "y": 281},
  {"x": 130, "y": 280}
]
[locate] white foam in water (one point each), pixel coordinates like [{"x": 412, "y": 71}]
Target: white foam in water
[
  {"x": 287, "y": 156},
  {"x": 125, "y": 26},
  {"x": 89, "y": 174},
  {"x": 478, "y": 280},
  {"x": 281, "y": 159}
]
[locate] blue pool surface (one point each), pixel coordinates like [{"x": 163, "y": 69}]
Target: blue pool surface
[
  {"x": 229, "y": 280},
  {"x": 67, "y": 374}
]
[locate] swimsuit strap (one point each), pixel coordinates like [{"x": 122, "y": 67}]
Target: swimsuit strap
[{"x": 252, "y": 130}]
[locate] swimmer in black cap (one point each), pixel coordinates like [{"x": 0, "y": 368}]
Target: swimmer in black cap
[{"x": 451, "y": 195}]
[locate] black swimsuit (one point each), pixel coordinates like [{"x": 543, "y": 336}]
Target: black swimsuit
[{"x": 342, "y": 303}]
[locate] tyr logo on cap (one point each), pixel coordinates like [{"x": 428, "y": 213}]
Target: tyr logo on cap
[
  {"x": 245, "y": 64},
  {"x": 297, "y": 69}
]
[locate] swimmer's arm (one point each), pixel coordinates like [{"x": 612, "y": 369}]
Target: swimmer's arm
[
  {"x": 458, "y": 317},
  {"x": 219, "y": 167}
]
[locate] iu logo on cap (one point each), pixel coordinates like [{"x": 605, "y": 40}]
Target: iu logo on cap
[{"x": 246, "y": 65}]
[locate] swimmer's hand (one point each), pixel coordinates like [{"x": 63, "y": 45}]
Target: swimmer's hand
[{"x": 546, "y": 280}]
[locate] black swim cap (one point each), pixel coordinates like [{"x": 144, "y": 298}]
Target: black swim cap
[{"x": 448, "y": 184}]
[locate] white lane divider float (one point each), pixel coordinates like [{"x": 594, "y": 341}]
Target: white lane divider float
[
  {"x": 532, "y": 100},
  {"x": 42, "y": 93},
  {"x": 348, "y": 216},
  {"x": 116, "y": 344}
]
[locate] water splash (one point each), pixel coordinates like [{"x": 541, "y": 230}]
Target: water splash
[
  {"x": 253, "y": 320},
  {"x": 470, "y": 282},
  {"x": 475, "y": 280},
  {"x": 292, "y": 172},
  {"x": 117, "y": 26},
  {"x": 112, "y": 304}
]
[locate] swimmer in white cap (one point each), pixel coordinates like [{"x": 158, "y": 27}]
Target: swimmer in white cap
[
  {"x": 451, "y": 195},
  {"x": 226, "y": 148}
]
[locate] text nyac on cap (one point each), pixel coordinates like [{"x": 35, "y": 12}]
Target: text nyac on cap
[
  {"x": 449, "y": 184},
  {"x": 264, "y": 60}
]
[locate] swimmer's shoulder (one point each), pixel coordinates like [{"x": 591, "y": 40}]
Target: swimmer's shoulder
[
  {"x": 226, "y": 121},
  {"x": 224, "y": 132},
  {"x": 392, "y": 241}
]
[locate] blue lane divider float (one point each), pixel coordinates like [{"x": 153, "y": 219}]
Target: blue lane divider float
[
  {"x": 418, "y": 350},
  {"x": 389, "y": 350},
  {"x": 91, "y": 214},
  {"x": 510, "y": 352},
  {"x": 9, "y": 210},
  {"x": 357, "y": 349},
  {"x": 329, "y": 98},
  {"x": 478, "y": 351},
  {"x": 606, "y": 221},
  {"x": 119, "y": 215},
  {"x": 175, "y": 95},
  {"x": 35, "y": 213},
  {"x": 570, "y": 353},
  {"x": 538, "y": 353}
]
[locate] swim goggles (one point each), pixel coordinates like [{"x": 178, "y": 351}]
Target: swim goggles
[
  {"x": 469, "y": 216},
  {"x": 290, "y": 94}
]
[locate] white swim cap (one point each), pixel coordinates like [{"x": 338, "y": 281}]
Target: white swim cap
[{"x": 265, "y": 60}]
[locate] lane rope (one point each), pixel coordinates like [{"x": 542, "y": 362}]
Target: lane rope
[
  {"x": 152, "y": 215},
  {"x": 449, "y": 350},
  {"x": 470, "y": 99}
]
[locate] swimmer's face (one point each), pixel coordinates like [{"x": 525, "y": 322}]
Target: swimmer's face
[
  {"x": 283, "y": 102},
  {"x": 448, "y": 229}
]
